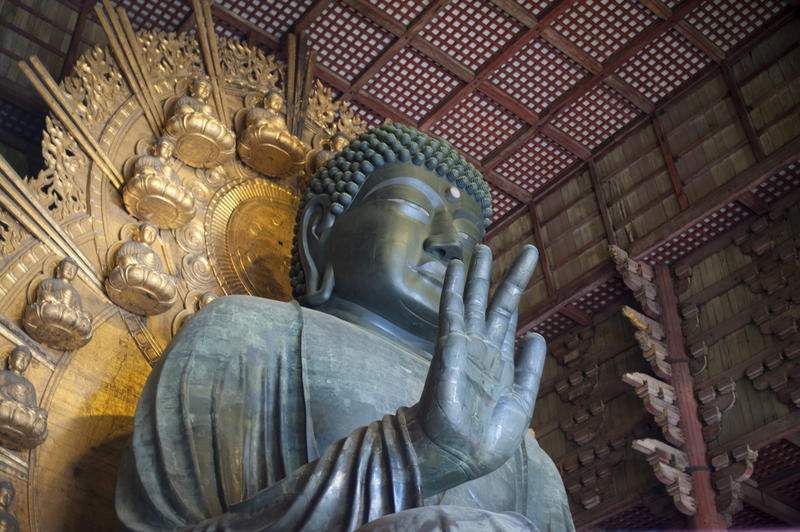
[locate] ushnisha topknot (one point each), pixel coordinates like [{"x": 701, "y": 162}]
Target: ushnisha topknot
[{"x": 341, "y": 177}]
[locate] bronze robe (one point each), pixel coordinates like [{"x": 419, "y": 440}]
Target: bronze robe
[{"x": 229, "y": 424}]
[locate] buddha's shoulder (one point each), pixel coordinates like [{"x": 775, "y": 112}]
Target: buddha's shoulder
[{"x": 240, "y": 319}]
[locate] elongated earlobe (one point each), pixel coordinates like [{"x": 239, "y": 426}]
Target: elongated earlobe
[{"x": 315, "y": 224}]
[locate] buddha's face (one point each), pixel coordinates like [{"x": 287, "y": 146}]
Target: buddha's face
[
  {"x": 147, "y": 233},
  {"x": 164, "y": 148},
  {"x": 389, "y": 250},
  {"x": 201, "y": 89},
  {"x": 67, "y": 270},
  {"x": 6, "y": 494},
  {"x": 19, "y": 360},
  {"x": 274, "y": 102}
]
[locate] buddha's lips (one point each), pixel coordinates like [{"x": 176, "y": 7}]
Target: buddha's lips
[{"x": 432, "y": 270}]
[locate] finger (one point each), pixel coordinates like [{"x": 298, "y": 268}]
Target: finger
[
  {"x": 451, "y": 304},
  {"x": 476, "y": 293},
  {"x": 506, "y": 299},
  {"x": 507, "y": 352},
  {"x": 528, "y": 373}
]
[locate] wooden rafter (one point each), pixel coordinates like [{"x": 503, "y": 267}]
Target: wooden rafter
[
  {"x": 669, "y": 161},
  {"x": 543, "y": 258},
  {"x": 77, "y": 33},
  {"x": 769, "y": 504},
  {"x": 602, "y": 204}
]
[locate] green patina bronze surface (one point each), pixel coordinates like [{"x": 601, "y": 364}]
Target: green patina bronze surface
[{"x": 390, "y": 401}]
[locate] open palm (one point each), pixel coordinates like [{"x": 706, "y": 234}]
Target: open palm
[{"x": 477, "y": 403}]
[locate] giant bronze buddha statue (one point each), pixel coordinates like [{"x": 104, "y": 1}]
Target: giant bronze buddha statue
[{"x": 391, "y": 399}]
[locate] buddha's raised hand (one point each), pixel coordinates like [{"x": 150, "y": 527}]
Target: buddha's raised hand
[{"x": 477, "y": 403}]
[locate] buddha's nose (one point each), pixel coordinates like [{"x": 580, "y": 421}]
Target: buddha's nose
[{"x": 443, "y": 242}]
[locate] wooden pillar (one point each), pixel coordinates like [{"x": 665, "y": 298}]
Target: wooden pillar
[{"x": 707, "y": 517}]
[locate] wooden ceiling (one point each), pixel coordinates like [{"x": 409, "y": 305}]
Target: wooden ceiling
[{"x": 666, "y": 128}]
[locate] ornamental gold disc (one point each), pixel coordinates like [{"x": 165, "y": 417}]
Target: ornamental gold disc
[{"x": 247, "y": 228}]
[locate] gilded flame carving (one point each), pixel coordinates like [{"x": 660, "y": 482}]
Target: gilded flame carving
[
  {"x": 201, "y": 140},
  {"x": 137, "y": 281},
  {"x": 56, "y": 318},
  {"x": 23, "y": 424},
  {"x": 154, "y": 192}
]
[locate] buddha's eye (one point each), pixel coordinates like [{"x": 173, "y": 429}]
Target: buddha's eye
[
  {"x": 411, "y": 209},
  {"x": 467, "y": 239}
]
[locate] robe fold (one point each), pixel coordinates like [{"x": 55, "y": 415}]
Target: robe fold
[{"x": 228, "y": 430}]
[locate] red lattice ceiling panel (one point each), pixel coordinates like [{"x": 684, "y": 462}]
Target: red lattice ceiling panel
[
  {"x": 165, "y": 16},
  {"x": 502, "y": 203},
  {"x": 538, "y": 74},
  {"x": 779, "y": 185},
  {"x": 701, "y": 233},
  {"x": 276, "y": 16},
  {"x": 596, "y": 116},
  {"x": 663, "y": 65},
  {"x": 751, "y": 518},
  {"x": 471, "y": 31},
  {"x": 602, "y": 296},
  {"x": 369, "y": 117},
  {"x": 601, "y": 27},
  {"x": 554, "y": 326},
  {"x": 224, "y": 29},
  {"x": 775, "y": 458},
  {"x": 412, "y": 83},
  {"x": 635, "y": 518},
  {"x": 403, "y": 12},
  {"x": 536, "y": 163},
  {"x": 726, "y": 22},
  {"x": 346, "y": 42},
  {"x": 535, "y": 6},
  {"x": 497, "y": 123},
  {"x": 20, "y": 123},
  {"x": 789, "y": 493}
]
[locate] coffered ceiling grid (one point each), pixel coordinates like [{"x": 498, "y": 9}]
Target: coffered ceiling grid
[{"x": 276, "y": 17}]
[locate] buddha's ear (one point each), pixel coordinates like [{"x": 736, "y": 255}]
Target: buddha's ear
[{"x": 316, "y": 222}]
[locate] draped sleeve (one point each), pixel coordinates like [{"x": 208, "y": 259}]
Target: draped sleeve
[{"x": 222, "y": 438}]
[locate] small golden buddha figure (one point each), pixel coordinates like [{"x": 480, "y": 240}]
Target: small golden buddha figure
[
  {"x": 154, "y": 192},
  {"x": 137, "y": 281},
  {"x": 328, "y": 151},
  {"x": 266, "y": 145},
  {"x": 8, "y": 523},
  {"x": 23, "y": 424},
  {"x": 56, "y": 318},
  {"x": 201, "y": 140}
]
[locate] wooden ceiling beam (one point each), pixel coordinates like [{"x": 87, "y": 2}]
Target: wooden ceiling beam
[
  {"x": 669, "y": 161},
  {"x": 614, "y": 62},
  {"x": 700, "y": 41},
  {"x": 577, "y": 315},
  {"x": 566, "y": 294},
  {"x": 631, "y": 93},
  {"x": 400, "y": 42},
  {"x": 724, "y": 194},
  {"x": 602, "y": 204},
  {"x": 501, "y": 225},
  {"x": 479, "y": 79},
  {"x": 544, "y": 260},
  {"x": 767, "y": 503},
  {"x": 741, "y": 111},
  {"x": 260, "y": 35},
  {"x": 309, "y": 16},
  {"x": 578, "y": 149},
  {"x": 515, "y": 9},
  {"x": 75, "y": 39}
]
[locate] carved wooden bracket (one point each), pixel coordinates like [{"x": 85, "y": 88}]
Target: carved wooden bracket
[
  {"x": 582, "y": 424},
  {"x": 779, "y": 372},
  {"x": 587, "y": 474},
  {"x": 578, "y": 384},
  {"x": 659, "y": 399},
  {"x": 570, "y": 349},
  {"x": 715, "y": 401},
  {"x": 669, "y": 465},
  {"x": 638, "y": 277},
  {"x": 730, "y": 470}
]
